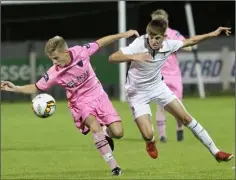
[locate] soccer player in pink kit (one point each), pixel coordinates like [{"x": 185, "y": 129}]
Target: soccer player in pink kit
[
  {"x": 173, "y": 79},
  {"x": 88, "y": 102}
]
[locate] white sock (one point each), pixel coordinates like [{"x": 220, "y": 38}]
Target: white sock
[
  {"x": 153, "y": 139},
  {"x": 203, "y": 136}
]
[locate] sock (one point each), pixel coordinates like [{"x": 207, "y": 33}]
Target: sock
[
  {"x": 179, "y": 125},
  {"x": 104, "y": 149},
  {"x": 161, "y": 123},
  {"x": 203, "y": 136},
  {"x": 153, "y": 139}
]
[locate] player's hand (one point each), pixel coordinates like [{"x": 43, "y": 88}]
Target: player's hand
[
  {"x": 142, "y": 57},
  {"x": 217, "y": 32},
  {"x": 130, "y": 33},
  {"x": 7, "y": 86}
]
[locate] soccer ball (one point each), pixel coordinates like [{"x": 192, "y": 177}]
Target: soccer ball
[{"x": 44, "y": 105}]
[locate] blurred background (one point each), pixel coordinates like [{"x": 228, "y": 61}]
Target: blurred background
[{"x": 27, "y": 27}]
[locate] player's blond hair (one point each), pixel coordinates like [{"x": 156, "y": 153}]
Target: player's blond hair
[
  {"x": 57, "y": 43},
  {"x": 157, "y": 26},
  {"x": 159, "y": 12}
]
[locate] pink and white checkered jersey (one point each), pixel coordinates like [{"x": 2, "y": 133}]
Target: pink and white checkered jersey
[
  {"x": 84, "y": 91},
  {"x": 170, "y": 70}
]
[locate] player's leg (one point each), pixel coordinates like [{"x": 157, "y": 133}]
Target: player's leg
[
  {"x": 176, "y": 108},
  {"x": 108, "y": 137},
  {"x": 161, "y": 123},
  {"x": 146, "y": 129},
  {"x": 109, "y": 116},
  {"x": 179, "y": 130},
  {"x": 115, "y": 130},
  {"x": 174, "y": 83},
  {"x": 142, "y": 116},
  {"x": 110, "y": 119},
  {"x": 102, "y": 144},
  {"x": 177, "y": 88}
]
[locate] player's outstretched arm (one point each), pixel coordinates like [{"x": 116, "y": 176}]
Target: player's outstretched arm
[
  {"x": 26, "y": 89},
  {"x": 112, "y": 38},
  {"x": 196, "y": 39}
]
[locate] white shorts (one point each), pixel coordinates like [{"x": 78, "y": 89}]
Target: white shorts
[{"x": 139, "y": 100}]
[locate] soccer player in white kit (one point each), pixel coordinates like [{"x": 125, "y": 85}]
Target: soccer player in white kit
[
  {"x": 144, "y": 84},
  {"x": 172, "y": 77}
]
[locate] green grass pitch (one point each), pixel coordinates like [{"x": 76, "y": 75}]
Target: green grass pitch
[{"x": 34, "y": 148}]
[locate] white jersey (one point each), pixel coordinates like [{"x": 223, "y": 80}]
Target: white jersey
[{"x": 147, "y": 75}]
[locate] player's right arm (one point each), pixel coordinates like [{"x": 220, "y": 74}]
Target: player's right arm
[
  {"x": 196, "y": 39},
  {"x": 129, "y": 53},
  {"x": 26, "y": 89},
  {"x": 43, "y": 84},
  {"x": 179, "y": 36}
]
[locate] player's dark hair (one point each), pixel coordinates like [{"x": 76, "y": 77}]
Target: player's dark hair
[{"x": 157, "y": 26}]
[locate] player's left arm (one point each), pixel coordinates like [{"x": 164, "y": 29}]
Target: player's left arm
[
  {"x": 112, "y": 38},
  {"x": 179, "y": 36},
  {"x": 196, "y": 39}
]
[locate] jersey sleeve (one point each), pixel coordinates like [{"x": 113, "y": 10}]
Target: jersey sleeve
[
  {"x": 133, "y": 47},
  {"x": 45, "y": 82},
  {"x": 175, "y": 45},
  {"x": 91, "y": 48}
]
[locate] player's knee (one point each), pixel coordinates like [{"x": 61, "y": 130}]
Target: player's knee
[
  {"x": 118, "y": 133},
  {"x": 95, "y": 128},
  {"x": 186, "y": 119}
]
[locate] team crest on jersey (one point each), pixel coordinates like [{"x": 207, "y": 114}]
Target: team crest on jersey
[
  {"x": 87, "y": 46},
  {"x": 177, "y": 34},
  {"x": 46, "y": 77},
  {"x": 80, "y": 63}
]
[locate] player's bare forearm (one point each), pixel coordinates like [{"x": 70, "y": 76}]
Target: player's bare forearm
[
  {"x": 188, "y": 49},
  {"x": 109, "y": 39},
  {"x": 26, "y": 89},
  {"x": 112, "y": 38},
  {"x": 196, "y": 39},
  {"x": 10, "y": 87},
  {"x": 119, "y": 57}
]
